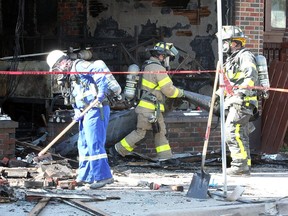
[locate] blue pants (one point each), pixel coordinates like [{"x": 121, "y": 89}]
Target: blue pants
[{"x": 93, "y": 161}]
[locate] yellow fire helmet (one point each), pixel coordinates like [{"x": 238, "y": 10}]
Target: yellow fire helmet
[{"x": 233, "y": 33}]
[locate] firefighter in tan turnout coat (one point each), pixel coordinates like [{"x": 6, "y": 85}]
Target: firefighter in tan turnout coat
[{"x": 154, "y": 88}]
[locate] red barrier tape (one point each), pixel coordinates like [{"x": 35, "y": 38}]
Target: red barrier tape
[
  {"x": 259, "y": 88},
  {"x": 141, "y": 72}
]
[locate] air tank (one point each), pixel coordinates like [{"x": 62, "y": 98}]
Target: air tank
[
  {"x": 263, "y": 74},
  {"x": 131, "y": 82}
]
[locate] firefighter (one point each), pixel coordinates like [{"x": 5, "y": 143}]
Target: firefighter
[
  {"x": 241, "y": 103},
  {"x": 154, "y": 88},
  {"x": 94, "y": 169}
]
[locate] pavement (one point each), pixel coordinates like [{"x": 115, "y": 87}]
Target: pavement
[{"x": 265, "y": 192}]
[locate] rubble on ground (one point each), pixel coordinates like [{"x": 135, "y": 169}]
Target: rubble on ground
[{"x": 52, "y": 180}]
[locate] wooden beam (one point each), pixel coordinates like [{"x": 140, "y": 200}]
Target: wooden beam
[
  {"x": 58, "y": 195},
  {"x": 87, "y": 208},
  {"x": 40, "y": 205}
]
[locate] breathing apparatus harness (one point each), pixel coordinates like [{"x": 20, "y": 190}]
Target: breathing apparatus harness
[
  {"x": 262, "y": 70},
  {"x": 263, "y": 78},
  {"x": 64, "y": 80},
  {"x": 149, "y": 96}
]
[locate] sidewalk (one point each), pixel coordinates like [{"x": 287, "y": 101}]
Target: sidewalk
[{"x": 264, "y": 194}]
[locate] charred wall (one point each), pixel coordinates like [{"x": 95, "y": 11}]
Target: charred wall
[{"x": 116, "y": 31}]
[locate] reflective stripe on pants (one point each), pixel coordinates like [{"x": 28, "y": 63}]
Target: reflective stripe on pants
[
  {"x": 237, "y": 136},
  {"x": 93, "y": 161},
  {"x": 162, "y": 147}
]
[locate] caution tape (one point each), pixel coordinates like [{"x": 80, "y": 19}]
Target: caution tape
[
  {"x": 259, "y": 88},
  {"x": 140, "y": 72},
  {"x": 119, "y": 72}
]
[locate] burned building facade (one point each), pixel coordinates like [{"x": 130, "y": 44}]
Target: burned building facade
[{"x": 117, "y": 32}]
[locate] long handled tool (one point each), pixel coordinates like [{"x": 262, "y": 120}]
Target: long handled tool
[
  {"x": 200, "y": 181},
  {"x": 41, "y": 153}
]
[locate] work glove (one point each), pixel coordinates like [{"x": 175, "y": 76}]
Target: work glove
[
  {"x": 181, "y": 93},
  {"x": 216, "y": 109},
  {"x": 233, "y": 100},
  {"x": 77, "y": 116},
  {"x": 118, "y": 97}
]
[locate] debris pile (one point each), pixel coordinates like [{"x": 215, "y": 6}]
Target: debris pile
[
  {"x": 52, "y": 177},
  {"x": 52, "y": 174}
]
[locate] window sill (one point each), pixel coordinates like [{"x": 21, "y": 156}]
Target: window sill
[{"x": 273, "y": 36}]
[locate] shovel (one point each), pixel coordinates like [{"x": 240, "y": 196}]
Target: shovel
[
  {"x": 200, "y": 180},
  {"x": 41, "y": 153}
]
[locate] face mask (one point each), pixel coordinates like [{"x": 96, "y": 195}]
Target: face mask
[
  {"x": 62, "y": 66},
  {"x": 167, "y": 63},
  {"x": 226, "y": 47},
  {"x": 62, "y": 79}
]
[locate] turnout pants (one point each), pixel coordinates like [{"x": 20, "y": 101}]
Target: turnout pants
[
  {"x": 162, "y": 147},
  {"x": 237, "y": 135}
]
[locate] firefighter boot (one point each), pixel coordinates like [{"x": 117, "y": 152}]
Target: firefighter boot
[
  {"x": 238, "y": 171},
  {"x": 114, "y": 156}
]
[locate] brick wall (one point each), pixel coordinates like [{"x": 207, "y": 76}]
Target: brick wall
[
  {"x": 71, "y": 14},
  {"x": 186, "y": 133},
  {"x": 249, "y": 16},
  {"x": 7, "y": 139}
]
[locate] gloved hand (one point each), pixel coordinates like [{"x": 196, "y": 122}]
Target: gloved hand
[
  {"x": 118, "y": 97},
  {"x": 237, "y": 100},
  {"x": 77, "y": 116},
  {"x": 216, "y": 109},
  {"x": 181, "y": 93}
]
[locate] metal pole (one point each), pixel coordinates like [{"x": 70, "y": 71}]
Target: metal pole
[
  {"x": 1, "y": 19},
  {"x": 221, "y": 83},
  {"x": 33, "y": 54}
]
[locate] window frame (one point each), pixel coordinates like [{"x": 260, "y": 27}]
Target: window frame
[
  {"x": 268, "y": 26},
  {"x": 271, "y": 34}
]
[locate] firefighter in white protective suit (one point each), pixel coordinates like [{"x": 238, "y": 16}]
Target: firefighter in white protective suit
[
  {"x": 241, "y": 104},
  {"x": 154, "y": 88},
  {"x": 94, "y": 169}
]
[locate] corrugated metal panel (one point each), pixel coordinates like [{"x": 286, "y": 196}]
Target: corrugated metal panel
[{"x": 275, "y": 114}]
